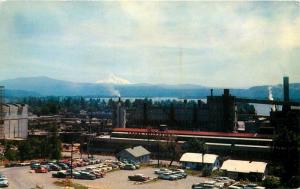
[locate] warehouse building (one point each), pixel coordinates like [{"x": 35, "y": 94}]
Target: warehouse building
[
  {"x": 252, "y": 170},
  {"x": 135, "y": 154},
  {"x": 199, "y": 161}
]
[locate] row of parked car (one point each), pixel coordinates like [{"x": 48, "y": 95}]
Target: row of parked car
[
  {"x": 90, "y": 172},
  {"x": 216, "y": 183},
  {"x": 58, "y": 165},
  {"x": 77, "y": 174},
  {"x": 245, "y": 186},
  {"x": 168, "y": 174},
  {"x": 224, "y": 182}
]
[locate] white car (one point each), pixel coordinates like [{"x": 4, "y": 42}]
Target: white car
[
  {"x": 161, "y": 170},
  {"x": 3, "y": 182},
  {"x": 167, "y": 176}
]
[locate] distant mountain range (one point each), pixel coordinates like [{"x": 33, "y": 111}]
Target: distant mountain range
[{"x": 44, "y": 86}]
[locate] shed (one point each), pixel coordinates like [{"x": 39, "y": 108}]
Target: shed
[
  {"x": 197, "y": 161},
  {"x": 252, "y": 170},
  {"x": 135, "y": 154}
]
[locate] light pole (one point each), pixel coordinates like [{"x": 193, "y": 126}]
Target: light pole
[{"x": 72, "y": 157}]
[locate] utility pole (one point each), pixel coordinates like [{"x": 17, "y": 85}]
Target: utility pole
[
  {"x": 2, "y": 102},
  {"x": 89, "y": 133},
  {"x": 158, "y": 149},
  {"x": 72, "y": 157}
]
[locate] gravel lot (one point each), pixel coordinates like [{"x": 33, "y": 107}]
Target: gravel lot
[
  {"x": 119, "y": 180},
  {"x": 21, "y": 178}
]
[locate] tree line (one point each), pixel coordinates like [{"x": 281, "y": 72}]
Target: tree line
[{"x": 45, "y": 147}]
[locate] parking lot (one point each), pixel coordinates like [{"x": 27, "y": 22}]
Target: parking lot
[
  {"x": 20, "y": 177},
  {"x": 119, "y": 179}
]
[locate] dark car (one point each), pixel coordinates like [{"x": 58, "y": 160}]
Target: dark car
[
  {"x": 35, "y": 165},
  {"x": 63, "y": 166},
  {"x": 53, "y": 167},
  {"x": 60, "y": 174},
  {"x": 75, "y": 174},
  {"x": 86, "y": 175},
  {"x": 138, "y": 177}
]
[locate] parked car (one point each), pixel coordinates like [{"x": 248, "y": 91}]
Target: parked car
[
  {"x": 35, "y": 165},
  {"x": 161, "y": 170},
  {"x": 47, "y": 167},
  {"x": 63, "y": 166},
  {"x": 2, "y": 176},
  {"x": 3, "y": 182},
  {"x": 225, "y": 180},
  {"x": 138, "y": 177},
  {"x": 59, "y": 174},
  {"x": 205, "y": 185},
  {"x": 24, "y": 164},
  {"x": 99, "y": 174},
  {"x": 128, "y": 167},
  {"x": 179, "y": 174},
  {"x": 53, "y": 167},
  {"x": 75, "y": 174},
  {"x": 235, "y": 187},
  {"x": 86, "y": 175},
  {"x": 41, "y": 169},
  {"x": 253, "y": 186},
  {"x": 167, "y": 176},
  {"x": 96, "y": 172}
]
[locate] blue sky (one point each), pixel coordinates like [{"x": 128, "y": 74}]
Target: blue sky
[{"x": 218, "y": 44}]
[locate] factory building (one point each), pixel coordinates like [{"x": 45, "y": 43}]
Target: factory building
[
  {"x": 218, "y": 114},
  {"x": 175, "y": 116},
  {"x": 222, "y": 112},
  {"x": 15, "y": 121}
]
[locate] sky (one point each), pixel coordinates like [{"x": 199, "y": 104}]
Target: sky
[{"x": 217, "y": 44}]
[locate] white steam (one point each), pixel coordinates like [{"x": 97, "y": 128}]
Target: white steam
[
  {"x": 271, "y": 97},
  {"x": 270, "y": 93},
  {"x": 113, "y": 91}
]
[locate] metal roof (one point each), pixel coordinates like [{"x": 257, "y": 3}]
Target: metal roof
[
  {"x": 244, "y": 166},
  {"x": 137, "y": 151},
  {"x": 197, "y": 158},
  {"x": 199, "y": 133}
]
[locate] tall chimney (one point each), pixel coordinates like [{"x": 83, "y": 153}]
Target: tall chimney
[
  {"x": 286, "y": 90},
  {"x": 226, "y": 92},
  {"x": 185, "y": 101}
]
